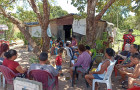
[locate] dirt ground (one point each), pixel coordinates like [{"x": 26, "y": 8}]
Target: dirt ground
[{"x": 23, "y": 59}]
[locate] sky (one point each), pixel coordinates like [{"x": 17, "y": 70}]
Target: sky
[{"x": 66, "y": 5}]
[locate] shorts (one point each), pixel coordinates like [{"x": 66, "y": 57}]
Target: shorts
[
  {"x": 58, "y": 68},
  {"x": 97, "y": 77},
  {"x": 79, "y": 69}
]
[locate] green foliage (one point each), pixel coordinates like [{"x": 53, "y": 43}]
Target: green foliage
[
  {"x": 137, "y": 36},
  {"x": 80, "y": 4},
  {"x": 99, "y": 45},
  {"x": 93, "y": 52},
  {"x": 25, "y": 16},
  {"x": 30, "y": 16},
  {"x": 105, "y": 36},
  {"x": 57, "y": 11},
  {"x": 9, "y": 33},
  {"x": 21, "y": 36},
  {"x": 83, "y": 41}
]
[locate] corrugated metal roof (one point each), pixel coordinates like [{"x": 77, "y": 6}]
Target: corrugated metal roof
[{"x": 32, "y": 23}]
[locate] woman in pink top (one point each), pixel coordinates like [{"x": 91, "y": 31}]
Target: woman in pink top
[{"x": 74, "y": 41}]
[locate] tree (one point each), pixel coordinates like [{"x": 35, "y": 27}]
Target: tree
[
  {"x": 57, "y": 11},
  {"x": 43, "y": 20},
  {"x": 99, "y": 7}
]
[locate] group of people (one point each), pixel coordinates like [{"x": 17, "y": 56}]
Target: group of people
[
  {"x": 81, "y": 55},
  {"x": 130, "y": 57}
]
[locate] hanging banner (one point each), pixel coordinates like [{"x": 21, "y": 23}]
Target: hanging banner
[{"x": 36, "y": 31}]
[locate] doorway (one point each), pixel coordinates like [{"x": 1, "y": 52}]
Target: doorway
[{"x": 68, "y": 32}]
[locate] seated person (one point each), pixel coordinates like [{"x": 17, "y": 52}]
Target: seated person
[
  {"x": 3, "y": 48},
  {"x": 83, "y": 61},
  {"x": 43, "y": 58},
  {"x": 133, "y": 73},
  {"x": 9, "y": 62},
  {"x": 74, "y": 41},
  {"x": 99, "y": 73},
  {"x": 123, "y": 55},
  {"x": 127, "y": 62},
  {"x": 88, "y": 50}
]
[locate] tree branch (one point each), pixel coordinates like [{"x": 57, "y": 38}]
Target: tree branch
[
  {"x": 99, "y": 16},
  {"x": 22, "y": 28},
  {"x": 13, "y": 19},
  {"x": 36, "y": 10}
]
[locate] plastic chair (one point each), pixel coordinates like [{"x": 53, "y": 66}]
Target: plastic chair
[
  {"x": 134, "y": 88},
  {"x": 107, "y": 78},
  {"x": 0, "y": 77},
  {"x": 42, "y": 76},
  {"x": 8, "y": 74},
  {"x": 77, "y": 75},
  {"x": 119, "y": 61}
]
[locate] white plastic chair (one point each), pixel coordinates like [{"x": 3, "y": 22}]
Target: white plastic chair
[
  {"x": 2, "y": 80},
  {"x": 107, "y": 78}
]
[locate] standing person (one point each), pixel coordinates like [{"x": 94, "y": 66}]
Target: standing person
[
  {"x": 129, "y": 37},
  {"x": 59, "y": 61},
  {"x": 53, "y": 47},
  {"x": 51, "y": 42},
  {"x": 74, "y": 41},
  {"x": 4, "y": 48}
]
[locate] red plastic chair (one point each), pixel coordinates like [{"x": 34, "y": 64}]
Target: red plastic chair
[
  {"x": 119, "y": 61},
  {"x": 134, "y": 88},
  {"x": 8, "y": 74},
  {"x": 42, "y": 76}
]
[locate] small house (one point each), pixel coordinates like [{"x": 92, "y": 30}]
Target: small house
[{"x": 66, "y": 26}]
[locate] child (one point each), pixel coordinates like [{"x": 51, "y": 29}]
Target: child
[{"x": 59, "y": 61}]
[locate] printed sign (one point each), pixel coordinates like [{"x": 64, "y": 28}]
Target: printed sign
[
  {"x": 79, "y": 26},
  {"x": 25, "y": 84}
]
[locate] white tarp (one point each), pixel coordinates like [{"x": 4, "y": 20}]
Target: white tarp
[
  {"x": 36, "y": 31},
  {"x": 49, "y": 31},
  {"x": 79, "y": 26},
  {"x": 3, "y": 27}
]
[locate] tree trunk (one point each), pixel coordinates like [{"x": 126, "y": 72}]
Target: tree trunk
[
  {"x": 91, "y": 23},
  {"x": 28, "y": 37},
  {"x": 92, "y": 20},
  {"x": 43, "y": 21},
  {"x": 46, "y": 41}
]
